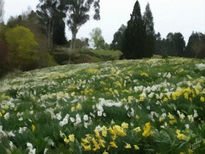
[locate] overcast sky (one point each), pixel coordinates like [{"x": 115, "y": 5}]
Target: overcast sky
[{"x": 182, "y": 16}]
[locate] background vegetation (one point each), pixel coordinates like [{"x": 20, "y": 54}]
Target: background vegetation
[{"x": 37, "y": 39}]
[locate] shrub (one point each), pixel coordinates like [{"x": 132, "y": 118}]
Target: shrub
[{"x": 22, "y": 47}]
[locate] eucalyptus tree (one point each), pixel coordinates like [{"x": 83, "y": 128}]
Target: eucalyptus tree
[
  {"x": 51, "y": 14},
  {"x": 78, "y": 13},
  {"x": 150, "y": 32}
]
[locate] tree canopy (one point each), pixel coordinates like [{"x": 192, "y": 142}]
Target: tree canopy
[
  {"x": 51, "y": 15},
  {"x": 97, "y": 38},
  {"x": 117, "y": 39},
  {"x": 134, "y": 40},
  {"x": 78, "y": 14},
  {"x": 196, "y": 46},
  {"x": 22, "y": 47},
  {"x": 150, "y": 33}
]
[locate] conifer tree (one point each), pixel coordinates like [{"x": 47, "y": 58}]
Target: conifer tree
[
  {"x": 133, "y": 45},
  {"x": 150, "y": 33}
]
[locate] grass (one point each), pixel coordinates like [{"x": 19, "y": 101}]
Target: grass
[
  {"x": 128, "y": 106},
  {"x": 85, "y": 55},
  {"x": 112, "y": 54}
]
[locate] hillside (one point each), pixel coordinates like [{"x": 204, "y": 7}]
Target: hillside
[{"x": 136, "y": 106}]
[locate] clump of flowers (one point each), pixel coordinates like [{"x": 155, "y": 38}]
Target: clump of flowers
[{"x": 147, "y": 130}]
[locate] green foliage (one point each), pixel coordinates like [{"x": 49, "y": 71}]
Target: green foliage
[
  {"x": 196, "y": 46},
  {"x": 108, "y": 54},
  {"x": 30, "y": 20},
  {"x": 53, "y": 25},
  {"x": 118, "y": 37},
  {"x": 160, "y": 45},
  {"x": 149, "y": 26},
  {"x": 78, "y": 14},
  {"x": 97, "y": 38},
  {"x": 63, "y": 55},
  {"x": 175, "y": 44},
  {"x": 134, "y": 40},
  {"x": 164, "y": 55},
  {"x": 22, "y": 47},
  {"x": 4, "y": 59}
]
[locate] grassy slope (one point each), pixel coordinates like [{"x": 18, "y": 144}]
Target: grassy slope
[{"x": 41, "y": 105}]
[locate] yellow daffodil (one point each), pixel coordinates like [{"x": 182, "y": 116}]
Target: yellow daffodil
[
  {"x": 85, "y": 140},
  {"x": 165, "y": 99},
  {"x": 79, "y": 107},
  {"x": 160, "y": 119},
  {"x": 180, "y": 136},
  {"x": 137, "y": 117},
  {"x": 86, "y": 147},
  {"x": 104, "y": 131},
  {"x": 72, "y": 109},
  {"x": 102, "y": 143},
  {"x": 3, "y": 111},
  {"x": 170, "y": 116},
  {"x": 202, "y": 99},
  {"x": 142, "y": 98},
  {"x": 97, "y": 134},
  {"x": 137, "y": 129},
  {"x": 124, "y": 125},
  {"x": 71, "y": 137},
  {"x": 33, "y": 127},
  {"x": 147, "y": 131},
  {"x": 6, "y": 107},
  {"x": 66, "y": 140},
  {"x": 128, "y": 146},
  {"x": 144, "y": 74},
  {"x": 197, "y": 91},
  {"x": 113, "y": 144},
  {"x": 119, "y": 130},
  {"x": 136, "y": 147},
  {"x": 190, "y": 151},
  {"x": 96, "y": 145},
  {"x": 105, "y": 152}
]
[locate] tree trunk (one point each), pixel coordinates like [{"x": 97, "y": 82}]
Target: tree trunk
[
  {"x": 74, "y": 33},
  {"x": 73, "y": 40}
]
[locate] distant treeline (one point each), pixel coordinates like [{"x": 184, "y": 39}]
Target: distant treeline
[{"x": 138, "y": 39}]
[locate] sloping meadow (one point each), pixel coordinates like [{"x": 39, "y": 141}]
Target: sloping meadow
[{"x": 137, "y": 106}]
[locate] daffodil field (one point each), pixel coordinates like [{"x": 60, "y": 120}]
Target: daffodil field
[{"x": 137, "y": 106}]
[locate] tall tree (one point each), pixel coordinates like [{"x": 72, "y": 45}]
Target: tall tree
[
  {"x": 78, "y": 14},
  {"x": 175, "y": 44},
  {"x": 196, "y": 46},
  {"x": 134, "y": 40},
  {"x": 97, "y": 38},
  {"x": 117, "y": 39},
  {"x": 150, "y": 33},
  {"x": 51, "y": 14}
]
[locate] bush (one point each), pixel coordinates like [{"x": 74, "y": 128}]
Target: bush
[
  {"x": 108, "y": 54},
  {"x": 164, "y": 55},
  {"x": 22, "y": 48},
  {"x": 4, "y": 59}
]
